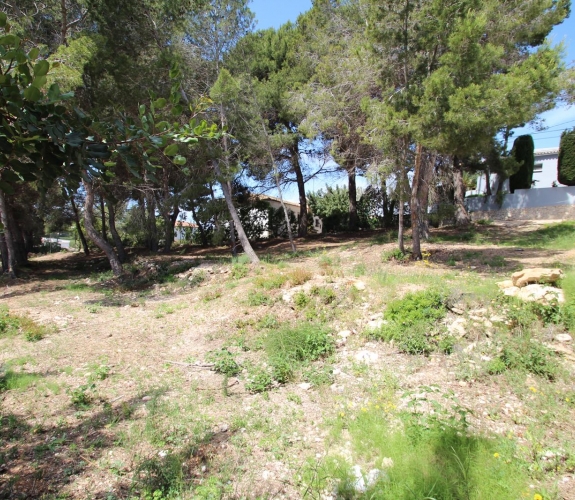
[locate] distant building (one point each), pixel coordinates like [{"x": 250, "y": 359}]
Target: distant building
[
  {"x": 183, "y": 230},
  {"x": 544, "y": 173}
]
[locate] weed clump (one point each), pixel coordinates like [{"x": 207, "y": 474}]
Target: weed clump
[
  {"x": 525, "y": 354},
  {"x": 289, "y": 347},
  {"x": 395, "y": 255},
  {"x": 11, "y": 324},
  {"x": 224, "y": 362},
  {"x": 412, "y": 323}
]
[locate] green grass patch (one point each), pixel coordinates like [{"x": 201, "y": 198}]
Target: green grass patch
[
  {"x": 291, "y": 346},
  {"x": 12, "y": 325},
  {"x": 20, "y": 381}
]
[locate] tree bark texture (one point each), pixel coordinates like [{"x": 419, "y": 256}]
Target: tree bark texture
[
  {"x": 233, "y": 238},
  {"x": 203, "y": 235},
  {"x": 302, "y": 227},
  {"x": 103, "y": 215},
  {"x": 79, "y": 227},
  {"x": 487, "y": 183},
  {"x": 236, "y": 218},
  {"x": 8, "y": 238},
  {"x": 4, "y": 253},
  {"x": 96, "y": 237},
  {"x": 152, "y": 230},
  {"x": 461, "y": 215},
  {"x": 426, "y": 177},
  {"x": 114, "y": 232},
  {"x": 415, "y": 203},
  {"x": 352, "y": 195}
]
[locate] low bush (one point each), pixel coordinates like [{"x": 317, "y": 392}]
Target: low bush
[
  {"x": 394, "y": 255},
  {"x": 525, "y": 354},
  {"x": 12, "y": 324},
  {"x": 291, "y": 346},
  {"x": 224, "y": 362},
  {"x": 256, "y": 298},
  {"x": 427, "y": 305}
]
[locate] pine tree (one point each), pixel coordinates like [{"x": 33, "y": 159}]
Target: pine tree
[
  {"x": 566, "y": 162},
  {"x": 523, "y": 152}
]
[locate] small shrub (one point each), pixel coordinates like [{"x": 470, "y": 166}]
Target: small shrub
[
  {"x": 271, "y": 282},
  {"x": 300, "y": 299},
  {"x": 239, "y": 271},
  {"x": 299, "y": 276},
  {"x": 446, "y": 344},
  {"x": 11, "y": 324},
  {"x": 413, "y": 340},
  {"x": 427, "y": 305},
  {"x": 394, "y": 255},
  {"x": 258, "y": 299},
  {"x": 157, "y": 477},
  {"x": 259, "y": 380},
  {"x": 326, "y": 295},
  {"x": 80, "y": 397},
  {"x": 224, "y": 362},
  {"x": 317, "y": 376},
  {"x": 267, "y": 322}
]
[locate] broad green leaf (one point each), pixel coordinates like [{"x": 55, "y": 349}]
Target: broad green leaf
[
  {"x": 40, "y": 81},
  {"x": 179, "y": 160},
  {"x": 32, "y": 94},
  {"x": 177, "y": 110},
  {"x": 171, "y": 150},
  {"x": 109, "y": 163},
  {"x": 3, "y": 19},
  {"x": 7, "y": 188},
  {"x": 34, "y": 53},
  {"x": 160, "y": 103},
  {"x": 142, "y": 109},
  {"x": 162, "y": 126},
  {"x": 41, "y": 68},
  {"x": 10, "y": 40},
  {"x": 54, "y": 92}
]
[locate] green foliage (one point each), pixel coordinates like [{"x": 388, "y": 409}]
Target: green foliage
[
  {"x": 566, "y": 161},
  {"x": 394, "y": 254},
  {"x": 258, "y": 380},
  {"x": 427, "y": 457},
  {"x": 427, "y": 305},
  {"x": 239, "y": 270},
  {"x": 11, "y": 325},
  {"x": 523, "y": 152},
  {"x": 412, "y": 323},
  {"x": 257, "y": 298},
  {"x": 224, "y": 362},
  {"x": 81, "y": 397},
  {"x": 289, "y": 347},
  {"x": 20, "y": 381},
  {"x": 525, "y": 354}
]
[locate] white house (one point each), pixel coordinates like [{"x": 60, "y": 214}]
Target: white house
[{"x": 544, "y": 173}]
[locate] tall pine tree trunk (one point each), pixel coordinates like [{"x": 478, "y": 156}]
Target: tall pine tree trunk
[
  {"x": 152, "y": 230},
  {"x": 4, "y": 253},
  {"x": 12, "y": 264},
  {"x": 96, "y": 237},
  {"x": 79, "y": 227},
  {"x": 461, "y": 215},
  {"x": 203, "y": 235},
  {"x": 427, "y": 175},
  {"x": 415, "y": 203},
  {"x": 114, "y": 232},
  {"x": 302, "y": 227},
  {"x": 103, "y": 213},
  {"x": 352, "y": 195},
  {"x": 487, "y": 183},
  {"x": 235, "y": 217}
]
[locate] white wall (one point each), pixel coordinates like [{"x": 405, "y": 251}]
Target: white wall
[{"x": 525, "y": 198}]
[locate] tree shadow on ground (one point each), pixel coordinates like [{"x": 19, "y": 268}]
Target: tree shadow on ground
[{"x": 39, "y": 462}]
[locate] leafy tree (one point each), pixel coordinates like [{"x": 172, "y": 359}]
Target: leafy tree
[
  {"x": 523, "y": 152},
  {"x": 566, "y": 162}
]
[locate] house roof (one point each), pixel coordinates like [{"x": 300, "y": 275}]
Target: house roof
[
  {"x": 546, "y": 151},
  {"x": 265, "y": 197},
  {"x": 183, "y": 223}
]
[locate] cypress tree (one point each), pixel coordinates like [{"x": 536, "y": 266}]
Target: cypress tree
[
  {"x": 566, "y": 162},
  {"x": 523, "y": 152}
]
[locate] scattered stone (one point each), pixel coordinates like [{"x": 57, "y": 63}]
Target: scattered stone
[
  {"x": 375, "y": 324},
  {"x": 457, "y": 310},
  {"x": 366, "y": 357},
  {"x": 306, "y": 386},
  {"x": 457, "y": 327},
  {"x": 470, "y": 347},
  {"x": 345, "y": 333},
  {"x": 563, "y": 337},
  {"x": 497, "y": 319},
  {"x": 362, "y": 483},
  {"x": 488, "y": 324},
  {"x": 505, "y": 284},
  {"x": 536, "y": 275},
  {"x": 147, "y": 398},
  {"x": 376, "y": 316},
  {"x": 536, "y": 293},
  {"x": 359, "y": 285}
]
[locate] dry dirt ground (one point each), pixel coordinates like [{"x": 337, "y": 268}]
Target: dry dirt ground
[{"x": 122, "y": 379}]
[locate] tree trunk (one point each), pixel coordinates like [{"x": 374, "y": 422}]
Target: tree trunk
[
  {"x": 203, "y": 235},
  {"x": 302, "y": 227},
  {"x": 96, "y": 238},
  {"x": 235, "y": 217},
  {"x": 232, "y": 229},
  {"x": 4, "y": 253},
  {"x": 103, "y": 212},
  {"x": 12, "y": 265},
  {"x": 79, "y": 227},
  {"x": 352, "y": 194},
  {"x": 172, "y": 229},
  {"x": 461, "y": 215},
  {"x": 400, "y": 237},
  {"x": 285, "y": 210},
  {"x": 487, "y": 183},
  {"x": 415, "y": 203},
  {"x": 426, "y": 176},
  {"x": 114, "y": 232},
  {"x": 151, "y": 219}
]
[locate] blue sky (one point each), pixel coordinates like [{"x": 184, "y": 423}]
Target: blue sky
[{"x": 274, "y": 13}]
